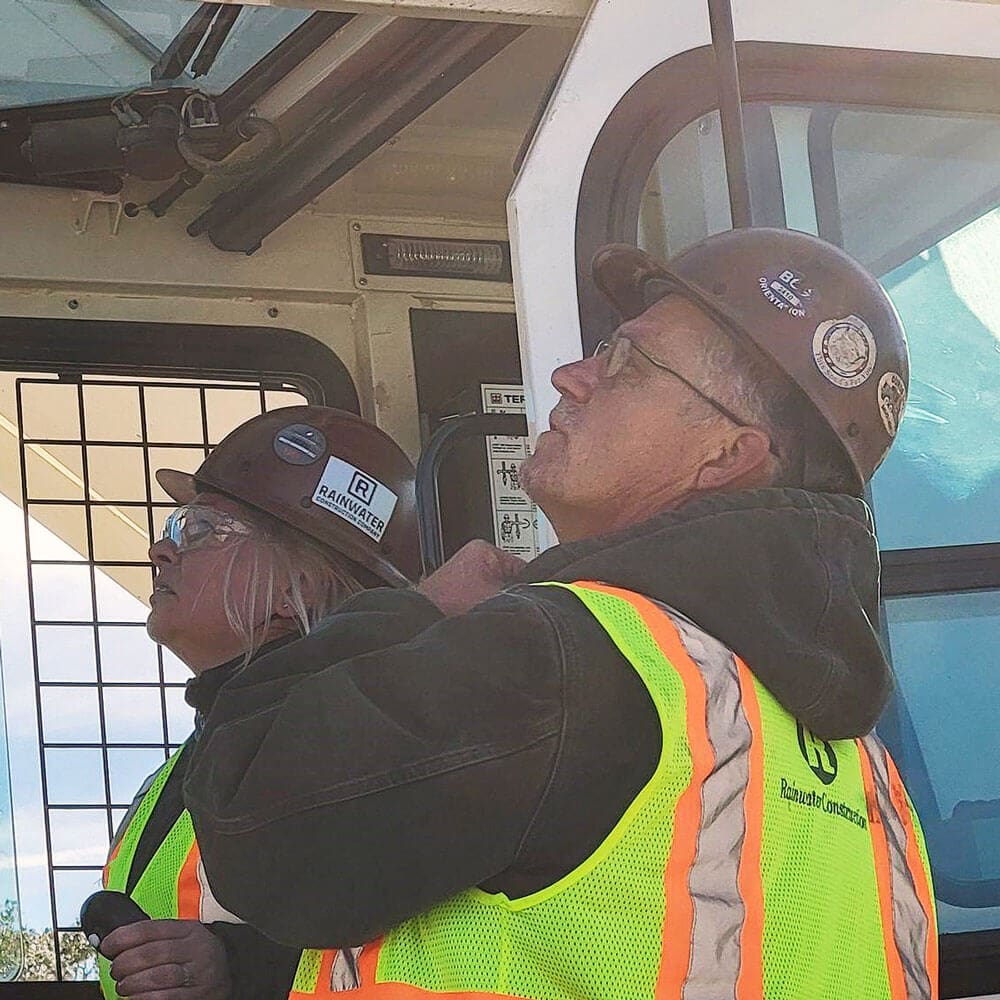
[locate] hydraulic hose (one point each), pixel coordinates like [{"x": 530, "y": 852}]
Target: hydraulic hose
[{"x": 263, "y": 136}]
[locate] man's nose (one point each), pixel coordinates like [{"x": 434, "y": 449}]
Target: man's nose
[
  {"x": 163, "y": 553},
  {"x": 578, "y": 379}
]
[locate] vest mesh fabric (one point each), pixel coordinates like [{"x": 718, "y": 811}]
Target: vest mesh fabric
[
  {"x": 307, "y": 972},
  {"x": 117, "y": 870},
  {"x": 156, "y": 890},
  {"x": 599, "y": 934},
  {"x": 822, "y": 920}
]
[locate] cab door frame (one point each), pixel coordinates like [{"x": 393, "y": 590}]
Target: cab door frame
[
  {"x": 551, "y": 215},
  {"x": 608, "y": 119}
]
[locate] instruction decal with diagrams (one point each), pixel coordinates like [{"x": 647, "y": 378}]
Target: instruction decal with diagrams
[{"x": 515, "y": 517}]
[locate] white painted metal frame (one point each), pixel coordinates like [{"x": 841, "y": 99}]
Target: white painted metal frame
[{"x": 618, "y": 44}]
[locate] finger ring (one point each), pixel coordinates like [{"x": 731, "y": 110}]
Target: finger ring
[{"x": 186, "y": 982}]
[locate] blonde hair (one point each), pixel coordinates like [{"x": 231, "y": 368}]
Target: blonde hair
[{"x": 286, "y": 568}]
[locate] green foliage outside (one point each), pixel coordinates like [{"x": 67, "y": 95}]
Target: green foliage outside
[{"x": 33, "y": 952}]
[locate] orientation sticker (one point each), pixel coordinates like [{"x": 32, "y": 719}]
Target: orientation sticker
[{"x": 353, "y": 495}]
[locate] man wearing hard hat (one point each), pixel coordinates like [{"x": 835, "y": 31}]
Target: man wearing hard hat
[{"x": 644, "y": 767}]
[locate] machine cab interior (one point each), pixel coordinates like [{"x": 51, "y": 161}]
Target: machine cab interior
[{"x": 212, "y": 210}]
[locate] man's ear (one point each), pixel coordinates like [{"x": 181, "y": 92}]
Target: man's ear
[{"x": 743, "y": 461}]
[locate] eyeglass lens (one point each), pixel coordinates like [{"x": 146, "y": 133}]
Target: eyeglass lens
[{"x": 615, "y": 353}]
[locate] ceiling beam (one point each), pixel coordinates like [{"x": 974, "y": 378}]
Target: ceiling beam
[{"x": 549, "y": 12}]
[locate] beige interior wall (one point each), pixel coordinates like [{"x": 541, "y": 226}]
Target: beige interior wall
[{"x": 74, "y": 255}]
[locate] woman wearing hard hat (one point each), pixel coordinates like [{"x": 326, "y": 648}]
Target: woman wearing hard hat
[{"x": 294, "y": 512}]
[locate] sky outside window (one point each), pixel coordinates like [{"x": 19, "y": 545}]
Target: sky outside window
[{"x": 75, "y": 775}]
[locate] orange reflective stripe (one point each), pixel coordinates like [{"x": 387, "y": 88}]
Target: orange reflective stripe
[
  {"x": 883, "y": 877},
  {"x": 189, "y": 887},
  {"x": 678, "y": 922},
  {"x": 368, "y": 967},
  {"x": 106, "y": 870},
  {"x": 750, "y": 984},
  {"x": 917, "y": 871}
]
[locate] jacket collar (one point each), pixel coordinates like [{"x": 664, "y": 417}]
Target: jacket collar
[{"x": 787, "y": 579}]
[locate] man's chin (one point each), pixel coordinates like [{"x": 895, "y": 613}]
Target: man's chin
[{"x": 540, "y": 472}]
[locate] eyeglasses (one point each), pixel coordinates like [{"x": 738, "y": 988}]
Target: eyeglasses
[
  {"x": 616, "y": 353},
  {"x": 193, "y": 526}
]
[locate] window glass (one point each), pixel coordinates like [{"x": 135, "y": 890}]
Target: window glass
[
  {"x": 941, "y": 730},
  {"x": 940, "y": 484},
  {"x": 61, "y": 50},
  {"x": 686, "y": 197},
  {"x": 914, "y": 197},
  {"x": 902, "y": 180},
  {"x": 95, "y": 704},
  {"x": 11, "y": 941}
]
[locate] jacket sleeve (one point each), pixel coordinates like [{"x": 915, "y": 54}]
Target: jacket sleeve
[
  {"x": 258, "y": 968},
  {"x": 335, "y": 796}
]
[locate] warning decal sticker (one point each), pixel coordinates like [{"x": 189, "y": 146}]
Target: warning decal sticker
[{"x": 515, "y": 517}]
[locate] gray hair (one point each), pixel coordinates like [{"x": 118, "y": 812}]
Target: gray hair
[
  {"x": 810, "y": 458},
  {"x": 286, "y": 568}
]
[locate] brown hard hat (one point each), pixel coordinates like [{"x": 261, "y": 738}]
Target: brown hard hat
[
  {"x": 331, "y": 475},
  {"x": 803, "y": 304}
]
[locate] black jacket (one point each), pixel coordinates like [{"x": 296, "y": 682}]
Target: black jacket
[{"x": 393, "y": 758}]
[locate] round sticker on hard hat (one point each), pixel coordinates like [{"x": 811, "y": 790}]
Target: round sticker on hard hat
[
  {"x": 300, "y": 444},
  {"x": 891, "y": 400},
  {"x": 844, "y": 351}
]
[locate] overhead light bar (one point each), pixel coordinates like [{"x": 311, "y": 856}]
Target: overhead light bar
[{"x": 416, "y": 257}]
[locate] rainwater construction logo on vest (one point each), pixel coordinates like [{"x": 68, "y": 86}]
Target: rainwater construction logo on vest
[
  {"x": 819, "y": 755},
  {"x": 822, "y": 760}
]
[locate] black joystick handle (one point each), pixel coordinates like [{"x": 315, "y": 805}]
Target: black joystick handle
[{"x": 106, "y": 911}]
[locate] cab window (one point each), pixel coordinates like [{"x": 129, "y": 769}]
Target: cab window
[
  {"x": 93, "y": 706},
  {"x": 912, "y": 192}
]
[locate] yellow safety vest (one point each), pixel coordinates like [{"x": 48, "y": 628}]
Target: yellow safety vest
[
  {"x": 757, "y": 862},
  {"x": 173, "y": 885}
]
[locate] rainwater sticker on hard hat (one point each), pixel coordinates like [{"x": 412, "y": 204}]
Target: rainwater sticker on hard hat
[
  {"x": 356, "y": 497},
  {"x": 844, "y": 351},
  {"x": 891, "y": 400},
  {"x": 787, "y": 290},
  {"x": 299, "y": 444}
]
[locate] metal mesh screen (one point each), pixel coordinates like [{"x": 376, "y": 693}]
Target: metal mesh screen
[{"x": 109, "y": 701}]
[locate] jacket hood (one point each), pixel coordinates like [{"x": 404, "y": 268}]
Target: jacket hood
[{"x": 787, "y": 579}]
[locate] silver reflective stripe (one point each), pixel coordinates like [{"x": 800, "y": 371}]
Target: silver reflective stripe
[
  {"x": 909, "y": 921},
  {"x": 719, "y": 911}
]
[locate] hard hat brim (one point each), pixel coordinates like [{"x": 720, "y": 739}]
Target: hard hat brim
[
  {"x": 179, "y": 486},
  {"x": 625, "y": 275}
]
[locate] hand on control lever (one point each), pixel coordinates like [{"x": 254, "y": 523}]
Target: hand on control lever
[{"x": 156, "y": 959}]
